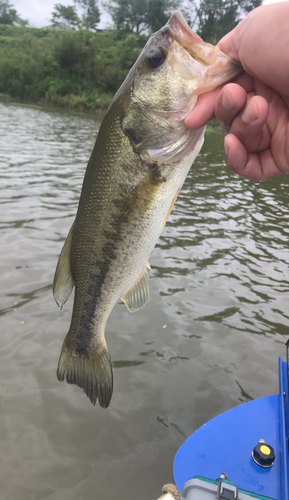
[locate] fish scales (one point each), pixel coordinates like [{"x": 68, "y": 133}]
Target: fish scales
[{"x": 140, "y": 160}]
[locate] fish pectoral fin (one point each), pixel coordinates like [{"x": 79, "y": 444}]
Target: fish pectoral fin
[
  {"x": 171, "y": 207},
  {"x": 138, "y": 295},
  {"x": 141, "y": 199},
  {"x": 63, "y": 282}
]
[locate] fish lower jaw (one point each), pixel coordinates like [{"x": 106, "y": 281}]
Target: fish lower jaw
[{"x": 186, "y": 147}]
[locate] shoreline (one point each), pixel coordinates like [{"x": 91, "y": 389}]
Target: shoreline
[{"x": 96, "y": 114}]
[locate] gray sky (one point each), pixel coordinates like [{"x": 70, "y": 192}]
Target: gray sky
[{"x": 38, "y": 12}]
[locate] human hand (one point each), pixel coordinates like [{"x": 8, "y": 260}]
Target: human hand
[{"x": 254, "y": 109}]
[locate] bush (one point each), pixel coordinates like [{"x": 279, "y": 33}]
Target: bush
[{"x": 77, "y": 69}]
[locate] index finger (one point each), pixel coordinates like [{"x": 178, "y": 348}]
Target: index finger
[{"x": 204, "y": 109}]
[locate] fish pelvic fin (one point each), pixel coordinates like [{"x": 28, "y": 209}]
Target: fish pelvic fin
[
  {"x": 63, "y": 282},
  {"x": 92, "y": 372},
  {"x": 137, "y": 296}
]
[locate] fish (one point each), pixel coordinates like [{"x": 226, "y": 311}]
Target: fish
[{"x": 141, "y": 157}]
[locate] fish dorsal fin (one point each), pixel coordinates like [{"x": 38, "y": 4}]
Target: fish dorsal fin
[
  {"x": 138, "y": 295},
  {"x": 63, "y": 282}
]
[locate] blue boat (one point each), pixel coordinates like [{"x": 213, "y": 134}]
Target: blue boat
[{"x": 241, "y": 454}]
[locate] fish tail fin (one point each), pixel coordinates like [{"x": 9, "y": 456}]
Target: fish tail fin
[{"x": 91, "y": 372}]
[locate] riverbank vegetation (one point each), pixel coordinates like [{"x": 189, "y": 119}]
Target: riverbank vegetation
[
  {"x": 81, "y": 68},
  {"x": 75, "y": 69}
]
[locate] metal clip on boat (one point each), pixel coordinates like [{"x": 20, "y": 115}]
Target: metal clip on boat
[{"x": 227, "y": 490}]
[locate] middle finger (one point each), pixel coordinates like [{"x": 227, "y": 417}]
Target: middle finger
[{"x": 229, "y": 104}]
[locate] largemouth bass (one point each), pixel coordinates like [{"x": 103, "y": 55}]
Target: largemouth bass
[{"x": 140, "y": 160}]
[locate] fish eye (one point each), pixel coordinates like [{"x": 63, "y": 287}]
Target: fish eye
[{"x": 156, "y": 58}]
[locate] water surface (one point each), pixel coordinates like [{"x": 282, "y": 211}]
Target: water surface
[{"x": 207, "y": 341}]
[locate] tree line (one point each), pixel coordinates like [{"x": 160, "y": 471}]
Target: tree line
[
  {"x": 74, "y": 69},
  {"x": 211, "y": 19},
  {"x": 82, "y": 68}
]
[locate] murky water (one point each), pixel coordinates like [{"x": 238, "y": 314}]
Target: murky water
[{"x": 208, "y": 340}]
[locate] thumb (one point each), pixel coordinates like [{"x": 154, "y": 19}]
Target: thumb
[{"x": 227, "y": 44}]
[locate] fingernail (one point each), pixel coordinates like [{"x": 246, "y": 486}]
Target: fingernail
[
  {"x": 249, "y": 114},
  {"x": 227, "y": 101}
]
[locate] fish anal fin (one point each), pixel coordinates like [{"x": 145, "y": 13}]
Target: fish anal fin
[
  {"x": 171, "y": 207},
  {"x": 141, "y": 199},
  {"x": 63, "y": 282},
  {"x": 137, "y": 296},
  {"x": 91, "y": 372}
]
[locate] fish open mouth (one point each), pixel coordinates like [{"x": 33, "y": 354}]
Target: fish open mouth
[
  {"x": 180, "y": 27},
  {"x": 203, "y": 53},
  {"x": 178, "y": 66},
  {"x": 208, "y": 67}
]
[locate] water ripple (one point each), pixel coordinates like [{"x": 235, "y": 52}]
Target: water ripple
[{"x": 207, "y": 340}]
